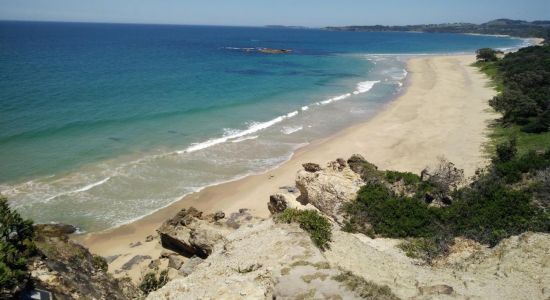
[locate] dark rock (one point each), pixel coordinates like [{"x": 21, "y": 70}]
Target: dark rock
[
  {"x": 429, "y": 198},
  {"x": 55, "y": 229},
  {"x": 342, "y": 163},
  {"x": 311, "y": 167},
  {"x": 447, "y": 200},
  {"x": 189, "y": 234},
  {"x": 277, "y": 204},
  {"x": 110, "y": 259},
  {"x": 135, "y": 244},
  {"x": 236, "y": 219},
  {"x": 219, "y": 215},
  {"x": 149, "y": 238},
  {"x": 134, "y": 261}
]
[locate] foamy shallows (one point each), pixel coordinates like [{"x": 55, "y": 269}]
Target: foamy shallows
[{"x": 184, "y": 108}]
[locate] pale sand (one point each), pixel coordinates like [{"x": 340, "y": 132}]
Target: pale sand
[{"x": 443, "y": 112}]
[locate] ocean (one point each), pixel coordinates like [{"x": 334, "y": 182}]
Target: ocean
[{"x": 101, "y": 124}]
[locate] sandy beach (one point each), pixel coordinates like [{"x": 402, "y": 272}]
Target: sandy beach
[{"x": 442, "y": 113}]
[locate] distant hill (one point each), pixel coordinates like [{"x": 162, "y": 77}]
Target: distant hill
[{"x": 518, "y": 28}]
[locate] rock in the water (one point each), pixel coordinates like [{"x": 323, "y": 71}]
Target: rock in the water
[
  {"x": 311, "y": 167},
  {"x": 277, "y": 203},
  {"x": 328, "y": 189}
]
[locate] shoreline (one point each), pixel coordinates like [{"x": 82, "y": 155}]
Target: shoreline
[{"x": 424, "y": 118}]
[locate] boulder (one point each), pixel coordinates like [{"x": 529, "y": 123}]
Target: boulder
[
  {"x": 188, "y": 234},
  {"x": 368, "y": 172},
  {"x": 219, "y": 215},
  {"x": 277, "y": 203},
  {"x": 311, "y": 167},
  {"x": 328, "y": 189}
]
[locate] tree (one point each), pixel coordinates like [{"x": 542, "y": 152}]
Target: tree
[
  {"x": 16, "y": 246},
  {"x": 487, "y": 54}
]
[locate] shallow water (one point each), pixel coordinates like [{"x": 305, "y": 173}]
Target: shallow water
[{"x": 102, "y": 124}]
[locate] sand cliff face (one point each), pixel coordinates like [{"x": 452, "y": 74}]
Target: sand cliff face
[{"x": 263, "y": 259}]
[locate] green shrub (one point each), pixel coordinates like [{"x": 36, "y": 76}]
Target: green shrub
[
  {"x": 394, "y": 216},
  {"x": 492, "y": 211},
  {"x": 318, "y": 227},
  {"x": 16, "y": 246},
  {"x": 408, "y": 177},
  {"x": 151, "y": 283},
  {"x": 100, "y": 263},
  {"x": 499, "y": 203}
]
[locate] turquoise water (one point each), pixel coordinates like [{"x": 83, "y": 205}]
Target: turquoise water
[{"x": 102, "y": 124}]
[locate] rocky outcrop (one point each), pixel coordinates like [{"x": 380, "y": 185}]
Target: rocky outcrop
[
  {"x": 277, "y": 203},
  {"x": 311, "y": 167},
  {"x": 189, "y": 234},
  {"x": 329, "y": 188},
  {"x": 70, "y": 271},
  {"x": 263, "y": 260},
  {"x": 368, "y": 172}
]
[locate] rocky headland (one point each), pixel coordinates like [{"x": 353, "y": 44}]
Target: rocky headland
[{"x": 234, "y": 255}]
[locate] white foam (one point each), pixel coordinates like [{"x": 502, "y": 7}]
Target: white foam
[
  {"x": 291, "y": 129},
  {"x": 245, "y": 138},
  {"x": 365, "y": 86},
  {"x": 304, "y": 108},
  {"x": 254, "y": 127},
  {"x": 83, "y": 189},
  {"x": 334, "y": 99},
  {"x": 292, "y": 114}
]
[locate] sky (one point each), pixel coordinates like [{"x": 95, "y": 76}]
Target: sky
[{"x": 313, "y": 13}]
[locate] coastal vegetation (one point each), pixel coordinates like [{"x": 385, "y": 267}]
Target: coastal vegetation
[
  {"x": 41, "y": 256},
  {"x": 151, "y": 282},
  {"x": 16, "y": 248},
  {"x": 316, "y": 225},
  {"x": 508, "y": 197},
  {"x": 523, "y": 78}
]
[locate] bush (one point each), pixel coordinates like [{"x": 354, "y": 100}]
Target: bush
[
  {"x": 486, "y": 54},
  {"x": 150, "y": 283},
  {"x": 394, "y": 216},
  {"x": 407, "y": 177},
  {"x": 498, "y": 204},
  {"x": 100, "y": 263},
  {"x": 318, "y": 227},
  {"x": 506, "y": 151},
  {"x": 16, "y": 247},
  {"x": 525, "y": 78}
]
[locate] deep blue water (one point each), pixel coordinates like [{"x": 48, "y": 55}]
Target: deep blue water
[{"x": 88, "y": 111}]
